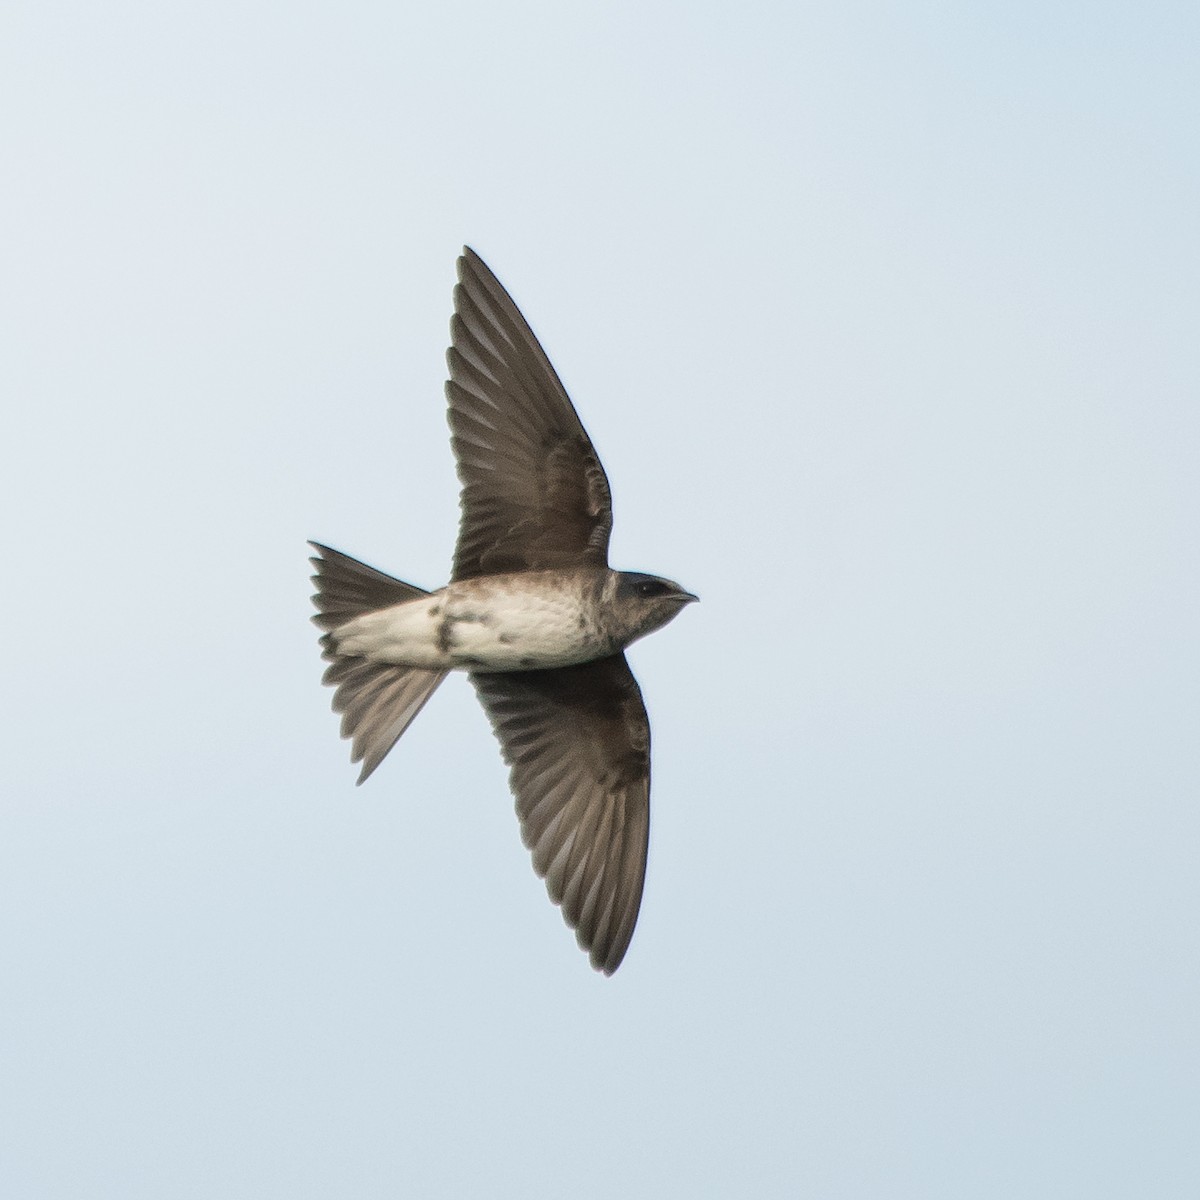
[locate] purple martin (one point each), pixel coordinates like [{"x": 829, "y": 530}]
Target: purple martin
[{"x": 533, "y": 613}]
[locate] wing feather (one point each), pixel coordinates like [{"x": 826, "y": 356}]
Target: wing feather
[
  {"x": 534, "y": 494},
  {"x": 577, "y": 741}
]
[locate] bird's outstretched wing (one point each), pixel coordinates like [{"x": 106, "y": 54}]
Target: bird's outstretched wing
[
  {"x": 534, "y": 494},
  {"x": 578, "y": 742}
]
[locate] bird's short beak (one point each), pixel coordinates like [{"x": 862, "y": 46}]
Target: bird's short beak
[{"x": 687, "y": 598}]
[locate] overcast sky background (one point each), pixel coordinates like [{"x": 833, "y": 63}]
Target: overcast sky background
[{"x": 883, "y": 318}]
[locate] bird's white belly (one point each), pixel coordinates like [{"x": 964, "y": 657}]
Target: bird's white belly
[{"x": 476, "y": 628}]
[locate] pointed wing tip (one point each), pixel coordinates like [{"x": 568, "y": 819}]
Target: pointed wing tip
[
  {"x": 325, "y": 556},
  {"x": 359, "y": 753},
  {"x": 368, "y": 766},
  {"x": 467, "y": 261},
  {"x": 606, "y": 959}
]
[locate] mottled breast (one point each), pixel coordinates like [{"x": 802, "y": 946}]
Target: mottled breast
[{"x": 518, "y": 622}]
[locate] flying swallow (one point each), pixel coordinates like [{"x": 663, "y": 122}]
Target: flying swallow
[{"x": 533, "y": 613}]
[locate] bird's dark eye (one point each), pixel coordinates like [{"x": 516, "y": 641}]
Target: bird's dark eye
[{"x": 652, "y": 587}]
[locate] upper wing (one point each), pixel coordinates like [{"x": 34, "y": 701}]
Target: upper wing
[
  {"x": 534, "y": 494},
  {"x": 578, "y": 742}
]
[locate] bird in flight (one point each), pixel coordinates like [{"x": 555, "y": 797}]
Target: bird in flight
[{"x": 533, "y": 613}]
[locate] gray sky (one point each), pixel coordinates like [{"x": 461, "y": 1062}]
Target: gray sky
[{"x": 883, "y": 318}]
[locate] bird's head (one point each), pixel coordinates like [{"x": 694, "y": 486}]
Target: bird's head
[{"x": 645, "y": 603}]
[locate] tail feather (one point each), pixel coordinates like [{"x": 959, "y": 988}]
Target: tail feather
[
  {"x": 347, "y": 588},
  {"x": 378, "y": 701}
]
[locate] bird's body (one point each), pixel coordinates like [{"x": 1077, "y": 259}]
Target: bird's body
[
  {"x": 533, "y": 612},
  {"x": 528, "y": 620},
  {"x": 522, "y": 621}
]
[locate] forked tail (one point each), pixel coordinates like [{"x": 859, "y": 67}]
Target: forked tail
[{"x": 378, "y": 701}]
